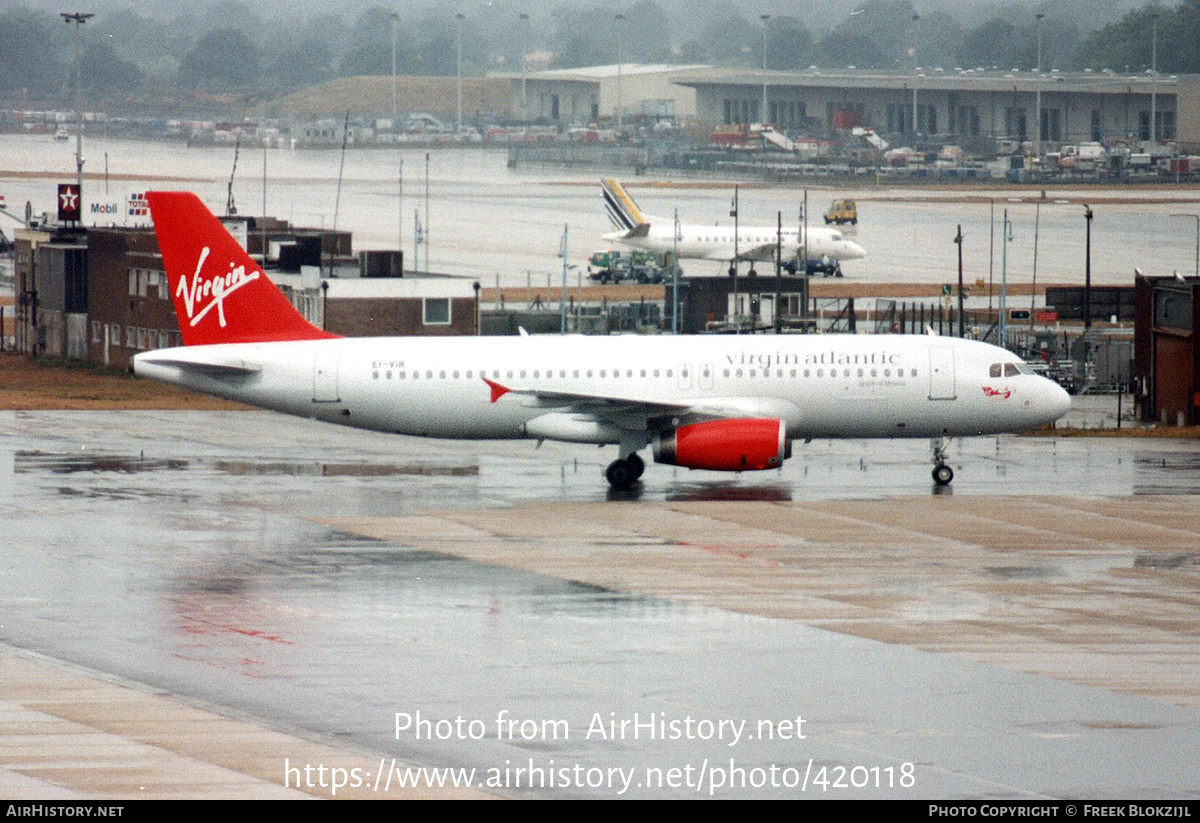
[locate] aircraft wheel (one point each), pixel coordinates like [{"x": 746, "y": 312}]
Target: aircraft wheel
[
  {"x": 943, "y": 474},
  {"x": 636, "y": 465},
  {"x": 620, "y": 474}
]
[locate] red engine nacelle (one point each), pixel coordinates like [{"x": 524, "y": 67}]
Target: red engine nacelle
[{"x": 736, "y": 445}]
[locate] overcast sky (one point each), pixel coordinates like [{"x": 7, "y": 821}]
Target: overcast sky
[{"x": 688, "y": 15}]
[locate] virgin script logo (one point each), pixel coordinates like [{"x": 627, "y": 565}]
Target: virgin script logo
[
  {"x": 216, "y": 288},
  {"x": 1003, "y": 394}
]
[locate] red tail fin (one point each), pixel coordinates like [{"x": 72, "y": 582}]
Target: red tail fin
[{"x": 220, "y": 293}]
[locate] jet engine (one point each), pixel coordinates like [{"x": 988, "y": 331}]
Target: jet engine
[{"x": 738, "y": 444}]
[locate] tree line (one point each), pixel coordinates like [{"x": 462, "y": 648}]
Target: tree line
[{"x": 225, "y": 46}]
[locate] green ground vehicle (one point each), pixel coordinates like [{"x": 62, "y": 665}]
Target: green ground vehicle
[{"x": 615, "y": 266}]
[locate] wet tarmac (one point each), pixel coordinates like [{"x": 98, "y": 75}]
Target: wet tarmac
[{"x": 492, "y": 606}]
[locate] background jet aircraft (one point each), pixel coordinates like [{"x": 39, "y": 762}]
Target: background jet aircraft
[{"x": 722, "y": 243}]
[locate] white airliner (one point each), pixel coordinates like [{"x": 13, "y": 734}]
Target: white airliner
[
  {"x": 699, "y": 242},
  {"x": 704, "y": 402}
]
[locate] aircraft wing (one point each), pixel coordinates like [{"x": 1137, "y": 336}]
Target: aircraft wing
[
  {"x": 763, "y": 251},
  {"x": 600, "y": 405},
  {"x": 633, "y": 413}
]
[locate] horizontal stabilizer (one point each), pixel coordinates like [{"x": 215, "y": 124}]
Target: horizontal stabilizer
[{"x": 210, "y": 367}]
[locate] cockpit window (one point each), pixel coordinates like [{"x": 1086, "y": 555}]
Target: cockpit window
[{"x": 1009, "y": 369}]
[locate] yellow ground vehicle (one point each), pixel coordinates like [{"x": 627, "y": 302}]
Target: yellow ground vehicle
[{"x": 842, "y": 211}]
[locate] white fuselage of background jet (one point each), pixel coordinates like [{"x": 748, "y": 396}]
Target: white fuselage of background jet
[{"x": 753, "y": 242}]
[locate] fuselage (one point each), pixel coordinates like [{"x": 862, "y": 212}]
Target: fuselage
[
  {"x": 752, "y": 242},
  {"x": 821, "y": 386}
]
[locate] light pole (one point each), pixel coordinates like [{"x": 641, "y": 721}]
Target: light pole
[
  {"x": 958, "y": 241},
  {"x": 912, "y": 52},
  {"x": 675, "y": 277},
  {"x": 524, "y": 67},
  {"x": 458, "y": 18},
  {"x": 764, "y": 18},
  {"x": 1153, "y": 77},
  {"x": 562, "y": 300},
  {"x": 1006, "y": 238},
  {"x": 78, "y": 18},
  {"x": 395, "y": 24},
  {"x": 1087, "y": 272},
  {"x": 1037, "y": 142},
  {"x": 618, "y": 20},
  {"x": 1195, "y": 217}
]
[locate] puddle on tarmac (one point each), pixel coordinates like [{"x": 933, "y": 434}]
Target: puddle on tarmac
[{"x": 34, "y": 461}]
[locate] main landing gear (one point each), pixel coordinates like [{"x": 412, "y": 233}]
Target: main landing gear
[
  {"x": 942, "y": 474},
  {"x": 623, "y": 473}
]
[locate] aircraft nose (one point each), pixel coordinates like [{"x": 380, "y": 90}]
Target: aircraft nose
[
  {"x": 856, "y": 252},
  {"x": 1057, "y": 402}
]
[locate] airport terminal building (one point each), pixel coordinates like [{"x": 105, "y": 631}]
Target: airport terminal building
[{"x": 956, "y": 103}]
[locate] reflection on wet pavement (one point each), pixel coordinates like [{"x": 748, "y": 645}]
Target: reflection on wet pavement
[{"x": 323, "y": 580}]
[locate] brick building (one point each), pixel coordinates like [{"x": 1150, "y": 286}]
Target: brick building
[{"x": 101, "y": 295}]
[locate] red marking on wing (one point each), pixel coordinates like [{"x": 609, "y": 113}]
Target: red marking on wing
[{"x": 498, "y": 391}]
